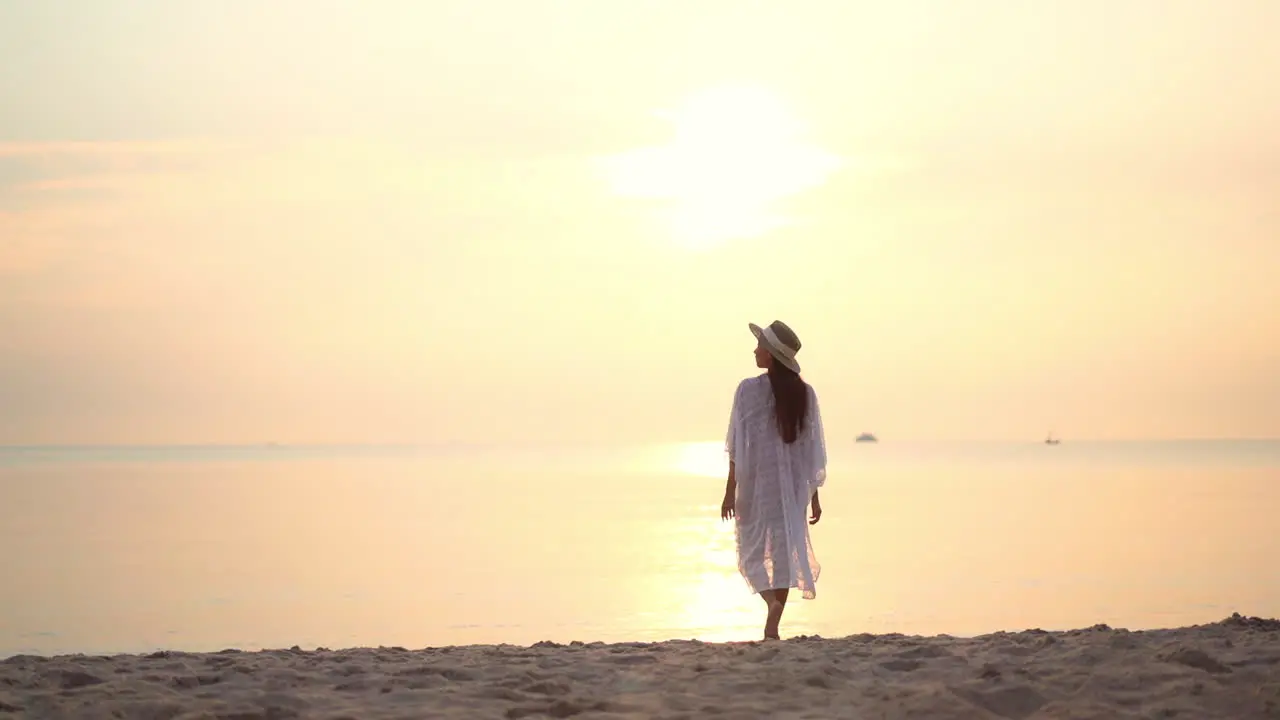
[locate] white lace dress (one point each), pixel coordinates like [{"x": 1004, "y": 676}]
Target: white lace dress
[{"x": 775, "y": 481}]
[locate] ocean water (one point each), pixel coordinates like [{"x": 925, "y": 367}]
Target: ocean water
[{"x": 202, "y": 548}]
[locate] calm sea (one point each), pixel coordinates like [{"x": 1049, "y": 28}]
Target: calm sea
[{"x": 204, "y": 548}]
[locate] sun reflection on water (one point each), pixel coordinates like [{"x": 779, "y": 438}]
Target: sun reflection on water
[
  {"x": 703, "y": 459},
  {"x": 712, "y": 604},
  {"x": 695, "y": 589}
]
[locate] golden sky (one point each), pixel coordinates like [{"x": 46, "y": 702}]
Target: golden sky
[{"x": 476, "y": 221}]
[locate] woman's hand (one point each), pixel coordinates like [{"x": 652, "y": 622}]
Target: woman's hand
[
  {"x": 817, "y": 510},
  {"x": 727, "y": 508}
]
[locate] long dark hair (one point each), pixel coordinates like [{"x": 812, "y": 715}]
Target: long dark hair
[{"x": 790, "y": 400}]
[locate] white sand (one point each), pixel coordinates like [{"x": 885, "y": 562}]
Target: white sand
[{"x": 1229, "y": 669}]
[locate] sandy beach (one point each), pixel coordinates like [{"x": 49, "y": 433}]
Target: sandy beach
[{"x": 1229, "y": 669}]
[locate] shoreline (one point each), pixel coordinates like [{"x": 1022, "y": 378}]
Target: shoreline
[
  {"x": 1233, "y": 620},
  {"x": 1230, "y": 668}
]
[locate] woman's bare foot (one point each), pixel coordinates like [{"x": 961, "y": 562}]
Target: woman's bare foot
[{"x": 773, "y": 619}]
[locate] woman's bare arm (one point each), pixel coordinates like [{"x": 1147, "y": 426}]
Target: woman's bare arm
[{"x": 728, "y": 507}]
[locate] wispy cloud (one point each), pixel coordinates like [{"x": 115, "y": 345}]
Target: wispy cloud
[
  {"x": 123, "y": 147},
  {"x": 32, "y": 173},
  {"x": 66, "y": 203},
  {"x": 79, "y": 182}
]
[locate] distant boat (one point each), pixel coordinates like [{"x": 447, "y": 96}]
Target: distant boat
[
  {"x": 1051, "y": 440},
  {"x": 866, "y": 438}
]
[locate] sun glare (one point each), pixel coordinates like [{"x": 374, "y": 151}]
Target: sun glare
[
  {"x": 735, "y": 153},
  {"x": 703, "y": 459}
]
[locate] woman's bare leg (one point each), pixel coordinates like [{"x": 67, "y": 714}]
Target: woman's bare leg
[{"x": 776, "y": 600}]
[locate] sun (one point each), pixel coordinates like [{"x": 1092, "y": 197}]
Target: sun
[{"x": 735, "y": 153}]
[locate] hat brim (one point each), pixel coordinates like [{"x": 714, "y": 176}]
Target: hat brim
[{"x": 790, "y": 363}]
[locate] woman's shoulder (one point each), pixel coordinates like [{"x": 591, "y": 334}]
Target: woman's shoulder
[{"x": 750, "y": 388}]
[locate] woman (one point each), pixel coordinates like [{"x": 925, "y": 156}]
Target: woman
[{"x": 777, "y": 462}]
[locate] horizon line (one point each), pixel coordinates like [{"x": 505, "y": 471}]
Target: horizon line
[{"x": 580, "y": 443}]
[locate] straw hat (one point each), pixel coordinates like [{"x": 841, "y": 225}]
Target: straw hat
[{"x": 780, "y": 341}]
